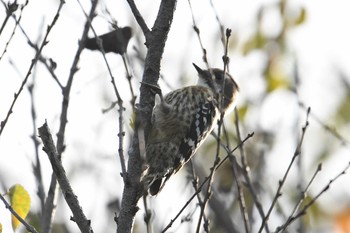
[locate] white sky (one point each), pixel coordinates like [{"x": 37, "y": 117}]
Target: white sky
[{"x": 321, "y": 45}]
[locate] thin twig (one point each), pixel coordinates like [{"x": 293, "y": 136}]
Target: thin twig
[
  {"x": 10, "y": 9},
  {"x": 28, "y": 227},
  {"x": 332, "y": 130},
  {"x": 203, "y": 183},
  {"x": 217, "y": 159},
  {"x": 196, "y": 29},
  {"x": 52, "y": 197},
  {"x": 281, "y": 182},
  {"x": 37, "y": 165},
  {"x": 139, "y": 19},
  {"x": 218, "y": 206},
  {"x": 246, "y": 176},
  {"x": 221, "y": 26},
  {"x": 15, "y": 27},
  {"x": 34, "y": 61},
  {"x": 121, "y": 109},
  {"x": 129, "y": 78},
  {"x": 48, "y": 63},
  {"x": 199, "y": 198},
  {"x": 302, "y": 198}
]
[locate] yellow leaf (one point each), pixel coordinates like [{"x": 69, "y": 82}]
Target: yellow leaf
[
  {"x": 242, "y": 110},
  {"x": 275, "y": 76},
  {"x": 302, "y": 17},
  {"x": 20, "y": 202},
  {"x": 343, "y": 112},
  {"x": 0, "y": 228},
  {"x": 257, "y": 41}
]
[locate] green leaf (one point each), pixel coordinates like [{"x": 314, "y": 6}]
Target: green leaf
[
  {"x": 257, "y": 41},
  {"x": 275, "y": 76},
  {"x": 343, "y": 113},
  {"x": 20, "y": 202},
  {"x": 302, "y": 17},
  {"x": 242, "y": 110}
]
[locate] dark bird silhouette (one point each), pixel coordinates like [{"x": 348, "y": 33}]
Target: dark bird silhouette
[{"x": 115, "y": 41}]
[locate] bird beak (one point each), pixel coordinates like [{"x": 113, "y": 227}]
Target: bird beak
[{"x": 199, "y": 70}]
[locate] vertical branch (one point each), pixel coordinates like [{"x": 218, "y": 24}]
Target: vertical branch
[
  {"x": 204, "y": 182},
  {"x": 37, "y": 165},
  {"x": 50, "y": 203},
  {"x": 246, "y": 176},
  {"x": 196, "y": 29},
  {"x": 121, "y": 133},
  {"x": 155, "y": 42},
  {"x": 281, "y": 182},
  {"x": 220, "y": 122}
]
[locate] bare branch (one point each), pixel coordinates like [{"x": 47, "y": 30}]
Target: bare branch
[
  {"x": 139, "y": 18},
  {"x": 196, "y": 29},
  {"x": 37, "y": 165},
  {"x": 332, "y": 130},
  {"x": 219, "y": 207},
  {"x": 10, "y": 9},
  {"x": 204, "y": 182},
  {"x": 221, "y": 26},
  {"x": 34, "y": 61},
  {"x": 51, "y": 198},
  {"x": 281, "y": 182},
  {"x": 121, "y": 109},
  {"x": 8, "y": 14},
  {"x": 220, "y": 122},
  {"x": 28, "y": 227},
  {"x": 298, "y": 204},
  {"x": 49, "y": 147},
  {"x": 155, "y": 42}
]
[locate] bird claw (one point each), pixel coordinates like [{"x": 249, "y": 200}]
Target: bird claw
[{"x": 155, "y": 89}]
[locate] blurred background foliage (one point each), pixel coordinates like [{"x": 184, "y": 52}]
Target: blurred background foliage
[{"x": 278, "y": 83}]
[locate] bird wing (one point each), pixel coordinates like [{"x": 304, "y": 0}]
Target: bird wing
[{"x": 200, "y": 128}]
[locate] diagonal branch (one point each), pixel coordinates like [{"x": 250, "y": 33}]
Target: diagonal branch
[
  {"x": 28, "y": 227},
  {"x": 49, "y": 147},
  {"x": 139, "y": 18},
  {"x": 33, "y": 63}
]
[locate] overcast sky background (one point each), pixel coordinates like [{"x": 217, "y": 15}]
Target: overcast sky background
[{"x": 321, "y": 46}]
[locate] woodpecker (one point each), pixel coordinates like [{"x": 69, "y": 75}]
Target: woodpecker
[{"x": 182, "y": 121}]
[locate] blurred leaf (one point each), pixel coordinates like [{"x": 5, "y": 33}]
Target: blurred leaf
[
  {"x": 343, "y": 113},
  {"x": 132, "y": 120},
  {"x": 314, "y": 213},
  {"x": 342, "y": 221},
  {"x": 0, "y": 228},
  {"x": 20, "y": 202},
  {"x": 255, "y": 42},
  {"x": 242, "y": 110},
  {"x": 301, "y": 18},
  {"x": 295, "y": 20},
  {"x": 224, "y": 177},
  {"x": 275, "y": 82},
  {"x": 275, "y": 76}
]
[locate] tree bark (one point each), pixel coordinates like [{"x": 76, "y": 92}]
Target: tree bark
[{"x": 155, "y": 42}]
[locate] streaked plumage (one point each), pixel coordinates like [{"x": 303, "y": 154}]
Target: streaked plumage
[{"x": 181, "y": 123}]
